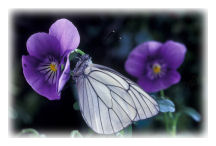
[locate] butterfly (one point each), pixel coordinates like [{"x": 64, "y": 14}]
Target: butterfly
[{"x": 109, "y": 101}]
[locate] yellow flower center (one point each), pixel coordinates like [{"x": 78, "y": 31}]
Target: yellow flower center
[
  {"x": 53, "y": 67},
  {"x": 156, "y": 68}
]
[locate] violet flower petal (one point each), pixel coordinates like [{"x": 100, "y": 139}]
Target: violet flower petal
[
  {"x": 172, "y": 77},
  {"x": 149, "y": 85},
  {"x": 134, "y": 68},
  {"x": 137, "y": 59},
  {"x": 37, "y": 80},
  {"x": 40, "y": 45},
  {"x": 66, "y": 33},
  {"x": 173, "y": 53},
  {"x": 65, "y": 75}
]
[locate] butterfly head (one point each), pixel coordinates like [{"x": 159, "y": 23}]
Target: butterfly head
[{"x": 82, "y": 62}]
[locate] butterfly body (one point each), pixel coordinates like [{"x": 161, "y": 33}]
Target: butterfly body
[
  {"x": 81, "y": 65},
  {"x": 109, "y": 101}
]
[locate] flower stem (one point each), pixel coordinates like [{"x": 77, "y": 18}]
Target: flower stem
[
  {"x": 80, "y": 51},
  {"x": 162, "y": 94},
  {"x": 169, "y": 119},
  {"x": 175, "y": 121},
  {"x": 165, "y": 114},
  {"x": 173, "y": 130}
]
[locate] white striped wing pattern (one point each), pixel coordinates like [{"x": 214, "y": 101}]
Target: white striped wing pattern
[{"x": 110, "y": 102}]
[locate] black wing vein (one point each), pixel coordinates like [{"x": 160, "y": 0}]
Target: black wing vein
[{"x": 97, "y": 102}]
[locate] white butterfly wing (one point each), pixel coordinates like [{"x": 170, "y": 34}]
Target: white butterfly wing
[{"x": 110, "y": 102}]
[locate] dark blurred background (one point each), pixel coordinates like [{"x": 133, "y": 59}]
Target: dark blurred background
[{"x": 108, "y": 38}]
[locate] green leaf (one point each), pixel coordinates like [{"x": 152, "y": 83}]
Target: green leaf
[
  {"x": 126, "y": 132},
  {"x": 192, "y": 113},
  {"x": 166, "y": 105},
  {"x": 75, "y": 133},
  {"x": 119, "y": 134},
  {"x": 30, "y": 132},
  {"x": 76, "y": 106}
]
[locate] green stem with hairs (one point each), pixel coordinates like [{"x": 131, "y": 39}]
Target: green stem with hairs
[{"x": 80, "y": 51}]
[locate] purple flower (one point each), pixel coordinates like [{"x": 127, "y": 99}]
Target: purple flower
[
  {"x": 155, "y": 64},
  {"x": 47, "y": 53}
]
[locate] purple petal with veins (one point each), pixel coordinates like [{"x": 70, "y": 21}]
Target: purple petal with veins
[
  {"x": 42, "y": 67},
  {"x": 155, "y": 64}
]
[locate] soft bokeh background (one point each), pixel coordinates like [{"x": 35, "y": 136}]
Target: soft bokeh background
[{"x": 108, "y": 38}]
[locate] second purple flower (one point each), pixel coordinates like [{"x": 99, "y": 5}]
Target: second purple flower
[{"x": 155, "y": 64}]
